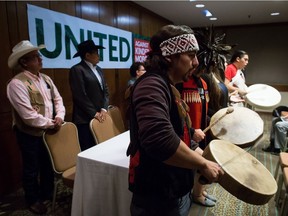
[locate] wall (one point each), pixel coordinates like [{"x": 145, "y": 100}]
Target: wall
[{"x": 14, "y": 28}]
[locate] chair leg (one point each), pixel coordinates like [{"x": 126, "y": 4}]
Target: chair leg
[
  {"x": 286, "y": 145},
  {"x": 55, "y": 194},
  {"x": 277, "y": 169},
  {"x": 278, "y": 193}
]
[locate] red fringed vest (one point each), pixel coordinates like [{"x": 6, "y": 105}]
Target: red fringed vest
[{"x": 195, "y": 93}]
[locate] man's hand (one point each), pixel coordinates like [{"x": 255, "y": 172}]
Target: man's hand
[
  {"x": 211, "y": 172},
  {"x": 198, "y": 135},
  {"x": 101, "y": 116},
  {"x": 57, "y": 123}
]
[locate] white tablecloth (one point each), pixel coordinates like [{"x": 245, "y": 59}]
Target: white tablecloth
[{"x": 101, "y": 182}]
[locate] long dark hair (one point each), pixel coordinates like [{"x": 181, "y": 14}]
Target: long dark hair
[
  {"x": 237, "y": 54},
  {"x": 155, "y": 62}
]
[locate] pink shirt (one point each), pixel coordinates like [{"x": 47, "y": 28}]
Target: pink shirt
[{"x": 18, "y": 96}]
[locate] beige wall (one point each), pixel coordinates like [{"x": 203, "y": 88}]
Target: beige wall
[{"x": 267, "y": 46}]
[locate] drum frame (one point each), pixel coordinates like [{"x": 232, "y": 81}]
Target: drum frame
[{"x": 234, "y": 186}]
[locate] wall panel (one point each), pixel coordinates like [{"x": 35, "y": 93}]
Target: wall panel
[
  {"x": 107, "y": 13},
  {"x": 5, "y": 49},
  {"x": 90, "y": 11},
  {"x": 10, "y": 160}
]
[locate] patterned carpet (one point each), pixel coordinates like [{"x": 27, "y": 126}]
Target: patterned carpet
[{"x": 226, "y": 205}]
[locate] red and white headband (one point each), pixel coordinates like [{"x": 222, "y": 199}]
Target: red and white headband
[{"x": 179, "y": 44}]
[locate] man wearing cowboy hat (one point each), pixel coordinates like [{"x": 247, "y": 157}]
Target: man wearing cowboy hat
[
  {"x": 89, "y": 91},
  {"x": 36, "y": 106}
]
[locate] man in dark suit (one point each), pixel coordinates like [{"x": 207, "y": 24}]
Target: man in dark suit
[{"x": 89, "y": 91}]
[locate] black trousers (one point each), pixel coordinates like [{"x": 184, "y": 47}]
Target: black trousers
[
  {"x": 151, "y": 206},
  {"x": 86, "y": 138},
  {"x": 38, "y": 174}
]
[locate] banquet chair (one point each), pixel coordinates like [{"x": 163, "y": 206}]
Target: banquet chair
[
  {"x": 116, "y": 116},
  {"x": 283, "y": 164},
  {"x": 283, "y": 180},
  {"x": 103, "y": 131},
  {"x": 63, "y": 147}
]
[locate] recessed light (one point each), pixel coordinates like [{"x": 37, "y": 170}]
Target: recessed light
[
  {"x": 199, "y": 5},
  {"x": 207, "y": 13},
  {"x": 275, "y": 14},
  {"x": 213, "y": 18}
]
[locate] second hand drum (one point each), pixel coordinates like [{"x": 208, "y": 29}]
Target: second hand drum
[
  {"x": 262, "y": 96},
  {"x": 243, "y": 126}
]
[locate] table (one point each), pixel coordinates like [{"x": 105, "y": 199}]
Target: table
[{"x": 101, "y": 181}]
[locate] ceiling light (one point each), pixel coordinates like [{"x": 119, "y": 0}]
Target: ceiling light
[
  {"x": 275, "y": 14},
  {"x": 207, "y": 13},
  {"x": 213, "y": 18},
  {"x": 199, "y": 5}
]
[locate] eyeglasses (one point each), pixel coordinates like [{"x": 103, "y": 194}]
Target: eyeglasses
[{"x": 33, "y": 57}]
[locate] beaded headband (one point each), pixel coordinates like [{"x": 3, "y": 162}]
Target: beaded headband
[{"x": 179, "y": 44}]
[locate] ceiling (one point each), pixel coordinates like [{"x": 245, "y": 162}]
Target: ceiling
[{"x": 228, "y": 13}]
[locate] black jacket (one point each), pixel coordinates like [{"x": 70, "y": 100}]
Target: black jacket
[{"x": 88, "y": 96}]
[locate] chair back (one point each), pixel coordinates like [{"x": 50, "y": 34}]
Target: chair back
[
  {"x": 63, "y": 146},
  {"x": 103, "y": 131},
  {"x": 116, "y": 116}
]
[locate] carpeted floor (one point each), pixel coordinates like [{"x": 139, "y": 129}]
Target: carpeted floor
[
  {"x": 14, "y": 204},
  {"x": 226, "y": 205}
]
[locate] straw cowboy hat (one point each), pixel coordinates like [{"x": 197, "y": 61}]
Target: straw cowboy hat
[
  {"x": 20, "y": 50},
  {"x": 87, "y": 46}
]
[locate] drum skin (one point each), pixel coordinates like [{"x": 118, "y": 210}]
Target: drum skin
[
  {"x": 243, "y": 126},
  {"x": 263, "y": 96},
  {"x": 245, "y": 177}
]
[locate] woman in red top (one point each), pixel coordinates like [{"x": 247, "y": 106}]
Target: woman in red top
[{"x": 239, "y": 61}]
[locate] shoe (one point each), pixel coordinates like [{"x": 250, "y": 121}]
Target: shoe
[
  {"x": 276, "y": 152},
  {"x": 210, "y": 197},
  {"x": 38, "y": 208},
  {"x": 207, "y": 202},
  {"x": 268, "y": 149}
]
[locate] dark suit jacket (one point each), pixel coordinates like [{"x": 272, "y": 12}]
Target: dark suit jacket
[{"x": 88, "y": 96}]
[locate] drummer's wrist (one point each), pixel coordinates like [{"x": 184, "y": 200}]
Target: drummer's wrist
[
  {"x": 203, "y": 164},
  {"x": 229, "y": 97}
]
